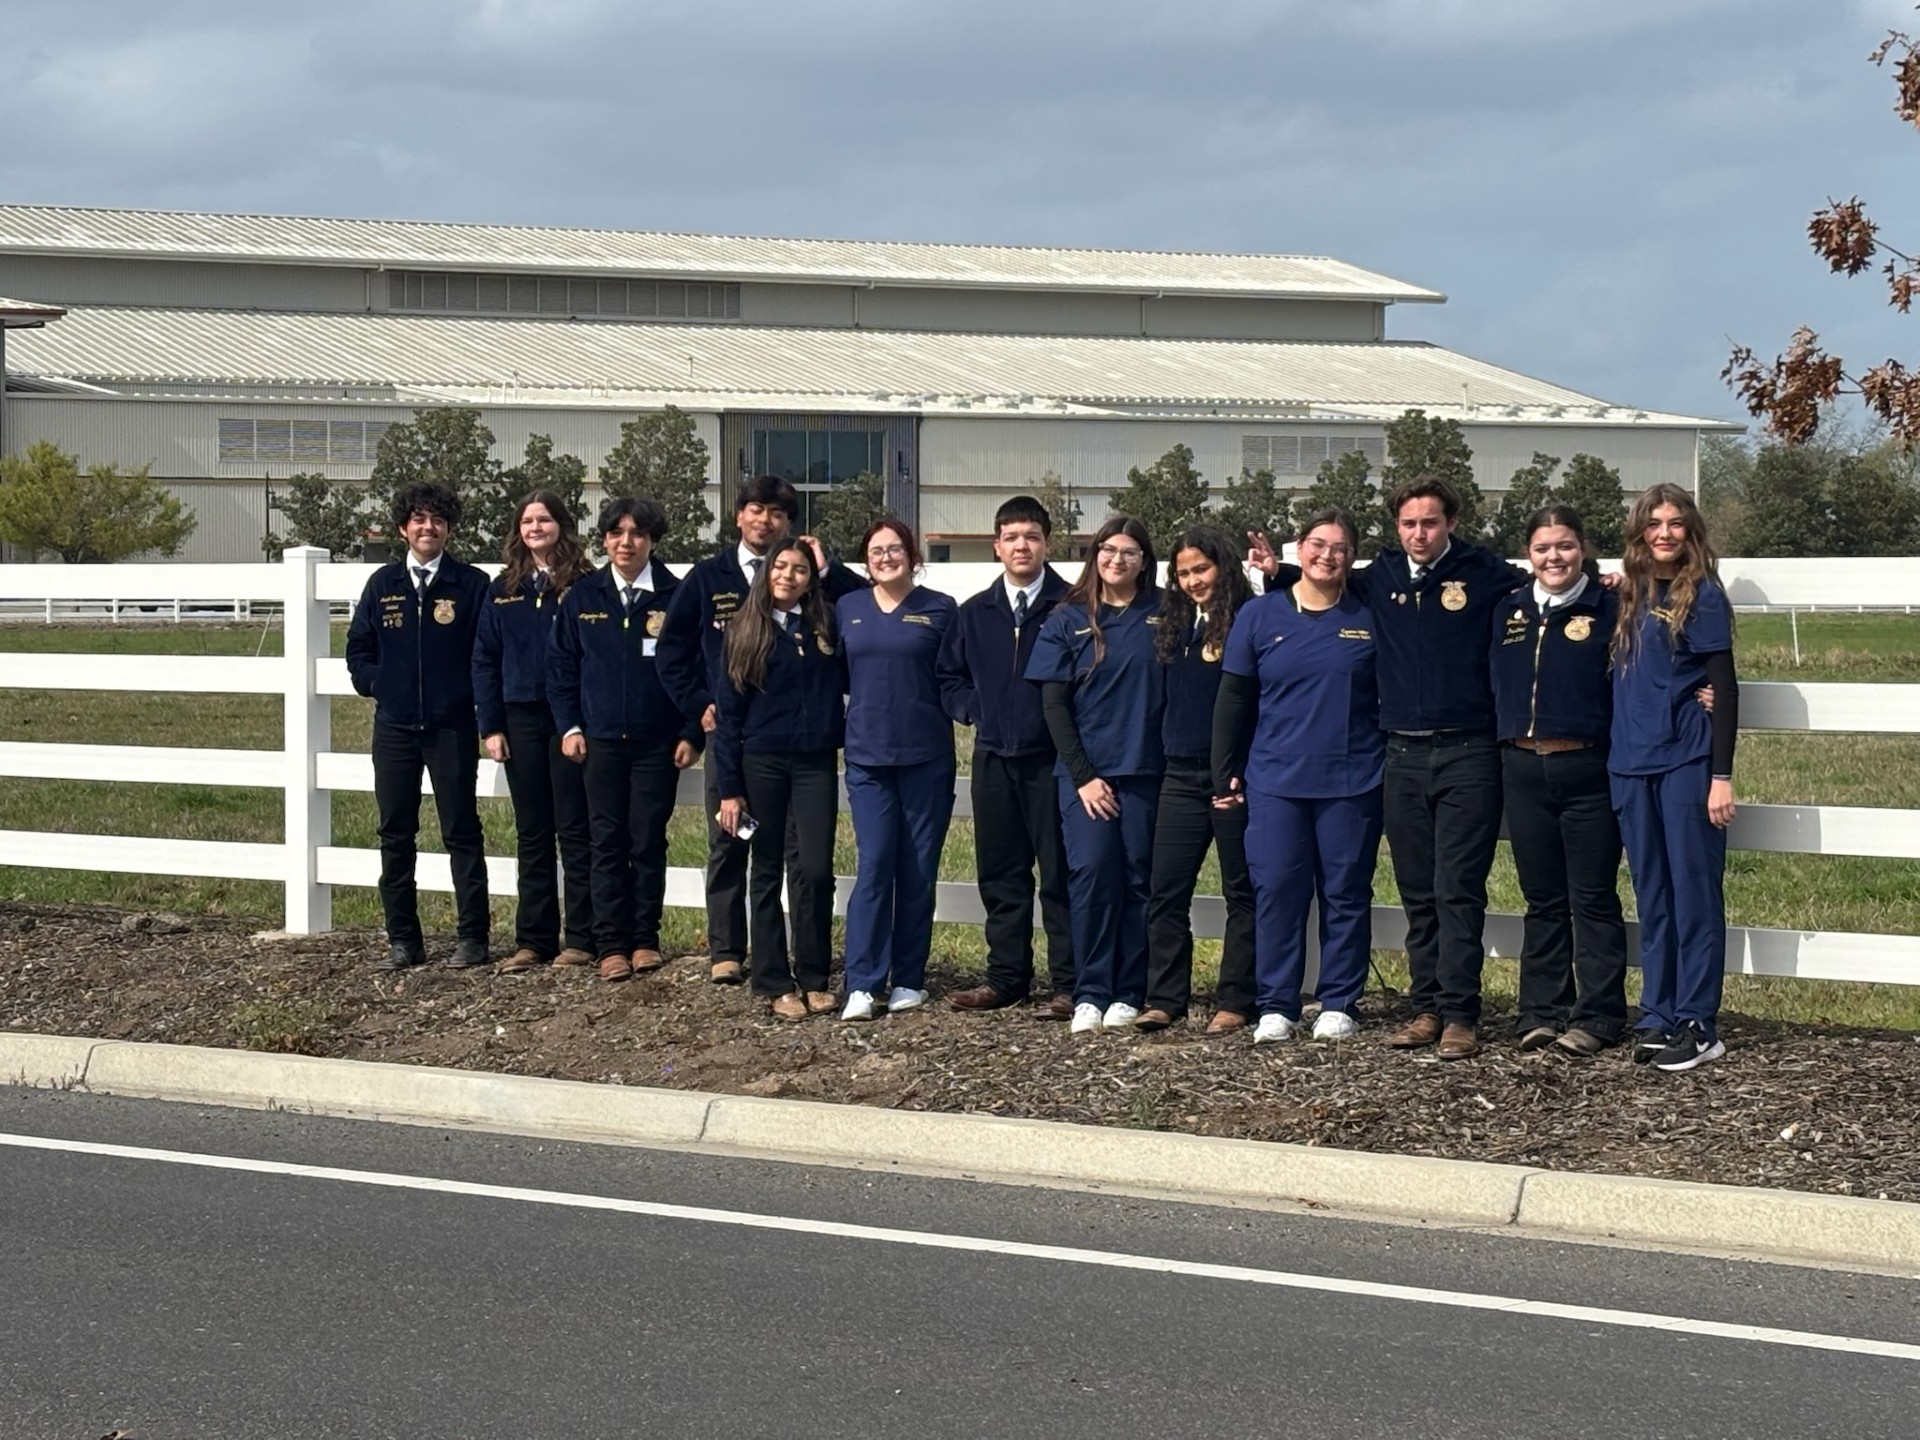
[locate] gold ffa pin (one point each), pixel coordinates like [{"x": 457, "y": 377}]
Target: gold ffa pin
[
  {"x": 443, "y": 612},
  {"x": 1453, "y": 595},
  {"x": 1579, "y": 627},
  {"x": 656, "y": 621}
]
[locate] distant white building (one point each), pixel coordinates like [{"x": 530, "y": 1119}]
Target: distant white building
[{"x": 230, "y": 351}]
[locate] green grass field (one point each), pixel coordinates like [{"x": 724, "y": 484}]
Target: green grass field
[{"x": 1786, "y": 891}]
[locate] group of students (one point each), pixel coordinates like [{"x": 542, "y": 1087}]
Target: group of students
[{"x": 1122, "y": 729}]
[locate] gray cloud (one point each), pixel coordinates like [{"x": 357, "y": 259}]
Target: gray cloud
[{"x": 1607, "y": 192}]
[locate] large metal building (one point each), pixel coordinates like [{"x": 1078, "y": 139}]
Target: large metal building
[{"x": 230, "y": 351}]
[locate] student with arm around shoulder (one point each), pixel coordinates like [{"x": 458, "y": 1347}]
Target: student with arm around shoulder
[
  {"x": 1016, "y": 805},
  {"x": 1102, "y": 688},
  {"x": 540, "y": 560}
]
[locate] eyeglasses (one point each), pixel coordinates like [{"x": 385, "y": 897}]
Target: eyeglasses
[
  {"x": 1121, "y": 554},
  {"x": 887, "y": 552},
  {"x": 1325, "y": 547}
]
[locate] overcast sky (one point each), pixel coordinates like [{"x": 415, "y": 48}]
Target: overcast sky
[{"x": 1606, "y": 190}]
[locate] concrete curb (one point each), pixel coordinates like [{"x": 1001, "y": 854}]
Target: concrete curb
[{"x": 1775, "y": 1224}]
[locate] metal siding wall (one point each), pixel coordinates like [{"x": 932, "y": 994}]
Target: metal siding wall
[
  {"x": 1214, "y": 318},
  {"x": 771, "y": 304},
  {"x": 72, "y": 281},
  {"x": 1643, "y": 457}
]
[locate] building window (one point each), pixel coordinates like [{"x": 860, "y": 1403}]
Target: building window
[
  {"x": 300, "y": 442},
  {"x": 560, "y": 295},
  {"x": 1294, "y": 453},
  {"x": 817, "y": 460}
]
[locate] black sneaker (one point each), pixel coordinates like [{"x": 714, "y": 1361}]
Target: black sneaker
[
  {"x": 1649, "y": 1043},
  {"x": 1690, "y": 1047}
]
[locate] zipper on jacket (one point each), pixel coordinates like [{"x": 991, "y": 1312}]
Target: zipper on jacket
[
  {"x": 420, "y": 651},
  {"x": 1533, "y": 704}
]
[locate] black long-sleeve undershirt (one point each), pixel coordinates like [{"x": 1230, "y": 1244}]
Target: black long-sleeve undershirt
[
  {"x": 1726, "y": 709},
  {"x": 1056, "y": 704},
  {"x": 1235, "y": 709}
]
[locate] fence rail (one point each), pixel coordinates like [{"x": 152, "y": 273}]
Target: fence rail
[{"x": 306, "y": 589}]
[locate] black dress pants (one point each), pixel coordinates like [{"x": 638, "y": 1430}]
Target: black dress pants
[
  {"x": 1186, "y": 824},
  {"x": 450, "y": 757},
  {"x": 631, "y": 787},
  {"x": 549, "y": 810},
  {"x": 727, "y": 879},
  {"x": 1016, "y": 825},
  {"x": 803, "y": 789},
  {"x": 1442, "y": 821},
  {"x": 1566, "y": 846}
]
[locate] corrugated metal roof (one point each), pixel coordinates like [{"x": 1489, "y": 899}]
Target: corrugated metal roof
[
  {"x": 740, "y": 367},
  {"x": 15, "y": 313},
  {"x": 414, "y": 244}
]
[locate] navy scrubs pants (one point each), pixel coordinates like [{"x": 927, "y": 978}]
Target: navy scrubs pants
[
  {"x": 1678, "y": 858},
  {"x": 1300, "y": 850},
  {"x": 1109, "y": 879},
  {"x": 900, "y": 815}
]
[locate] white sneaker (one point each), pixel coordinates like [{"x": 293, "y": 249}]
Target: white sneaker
[
  {"x": 1273, "y": 1028},
  {"x": 905, "y": 999},
  {"x": 859, "y": 1006},
  {"x": 1086, "y": 1019},
  {"x": 1334, "y": 1025},
  {"x": 1119, "y": 1016}
]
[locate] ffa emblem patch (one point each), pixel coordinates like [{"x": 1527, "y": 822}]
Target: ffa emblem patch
[
  {"x": 1210, "y": 652},
  {"x": 1453, "y": 595},
  {"x": 1579, "y": 627},
  {"x": 656, "y": 621},
  {"x": 443, "y": 612}
]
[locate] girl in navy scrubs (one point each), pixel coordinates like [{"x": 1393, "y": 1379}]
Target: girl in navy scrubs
[
  {"x": 1206, "y": 587},
  {"x": 1671, "y": 767},
  {"x": 541, "y": 559},
  {"x": 1297, "y": 739},
  {"x": 900, "y": 771},
  {"x": 1101, "y": 687},
  {"x": 1553, "y": 697},
  {"x": 779, "y": 721}
]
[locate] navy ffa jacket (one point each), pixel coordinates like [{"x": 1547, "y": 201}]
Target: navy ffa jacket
[
  {"x": 692, "y": 664},
  {"x": 1552, "y": 679},
  {"x": 413, "y": 653},
  {"x": 602, "y": 675},
  {"x": 983, "y": 665},
  {"x": 1431, "y": 635},
  {"x": 801, "y": 708},
  {"x": 1193, "y": 684},
  {"x": 510, "y": 649}
]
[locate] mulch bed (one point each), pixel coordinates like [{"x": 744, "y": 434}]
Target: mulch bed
[{"x": 1827, "y": 1109}]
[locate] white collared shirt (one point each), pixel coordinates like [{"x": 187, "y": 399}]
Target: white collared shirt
[
  {"x": 748, "y": 559},
  {"x": 788, "y": 616},
  {"x": 1032, "y": 592},
  {"x": 1546, "y": 600},
  {"x": 432, "y": 567},
  {"x": 1414, "y": 572},
  {"x": 642, "y": 583}
]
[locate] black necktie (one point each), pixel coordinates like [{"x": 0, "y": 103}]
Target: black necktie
[
  {"x": 629, "y": 592},
  {"x": 542, "y": 582},
  {"x": 1020, "y": 610},
  {"x": 753, "y": 569},
  {"x": 421, "y": 575}
]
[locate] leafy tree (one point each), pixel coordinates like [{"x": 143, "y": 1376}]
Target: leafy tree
[
  {"x": 1252, "y": 502},
  {"x": 1872, "y": 509},
  {"x": 564, "y": 474},
  {"x": 48, "y": 505},
  {"x": 1786, "y": 504},
  {"x": 1166, "y": 497},
  {"x": 1725, "y": 467},
  {"x": 1420, "y": 444},
  {"x": 661, "y": 456},
  {"x": 449, "y": 446},
  {"x": 842, "y": 515},
  {"x": 1064, "y": 507},
  {"x": 1592, "y": 487},
  {"x": 1529, "y": 489},
  {"x": 1792, "y": 391},
  {"x": 320, "y": 512},
  {"x": 1346, "y": 481}
]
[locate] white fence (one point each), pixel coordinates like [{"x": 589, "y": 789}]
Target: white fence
[{"x": 307, "y": 770}]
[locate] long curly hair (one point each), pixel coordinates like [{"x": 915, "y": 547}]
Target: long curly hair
[
  {"x": 569, "y": 560},
  {"x": 1230, "y": 592},
  {"x": 1640, "y": 588},
  {"x": 750, "y": 634},
  {"x": 1085, "y": 592}
]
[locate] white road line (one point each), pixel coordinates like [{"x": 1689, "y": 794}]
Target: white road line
[{"x": 1246, "y": 1275}]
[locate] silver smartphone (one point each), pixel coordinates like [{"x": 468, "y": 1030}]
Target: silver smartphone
[{"x": 747, "y": 826}]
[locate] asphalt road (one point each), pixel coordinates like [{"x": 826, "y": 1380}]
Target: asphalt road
[{"x": 184, "y": 1302}]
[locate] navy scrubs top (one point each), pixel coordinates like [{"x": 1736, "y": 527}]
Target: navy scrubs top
[
  {"x": 1318, "y": 735},
  {"x": 894, "y": 714},
  {"x": 1657, "y": 725},
  {"x": 1116, "y": 703}
]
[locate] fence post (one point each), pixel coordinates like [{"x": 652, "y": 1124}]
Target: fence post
[{"x": 308, "y": 731}]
